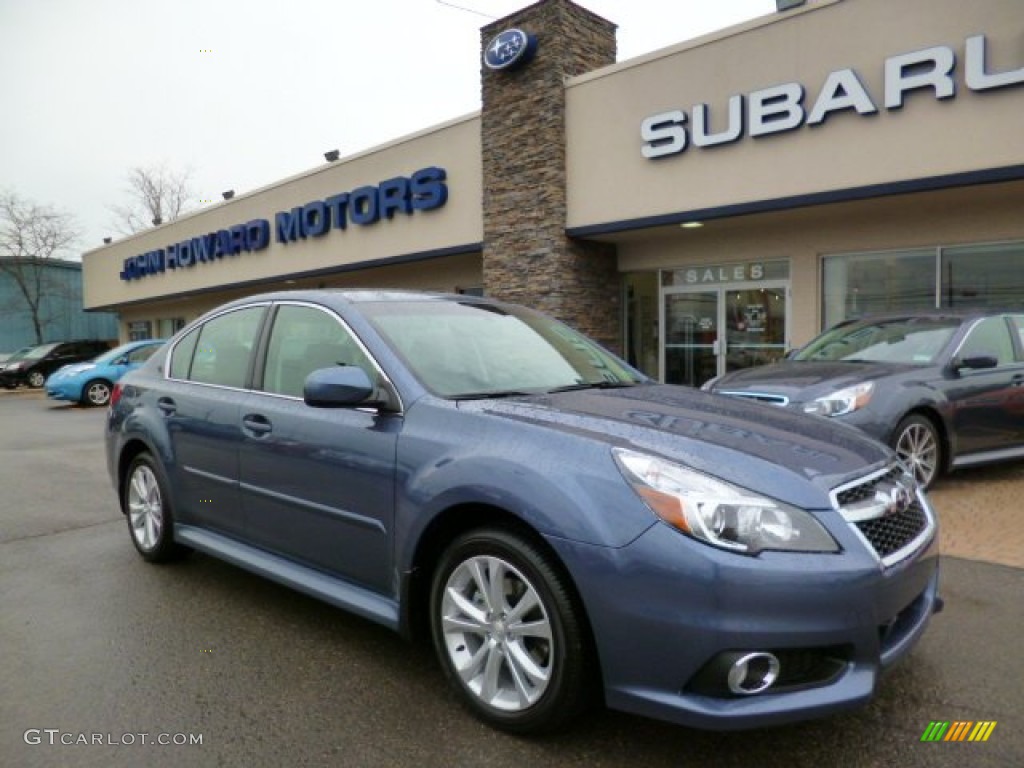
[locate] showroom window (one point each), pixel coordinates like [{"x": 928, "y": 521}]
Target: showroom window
[
  {"x": 140, "y": 330},
  {"x": 983, "y": 275}
]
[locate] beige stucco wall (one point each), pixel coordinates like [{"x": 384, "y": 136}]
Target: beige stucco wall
[
  {"x": 609, "y": 180},
  {"x": 454, "y": 146},
  {"x": 446, "y": 274}
]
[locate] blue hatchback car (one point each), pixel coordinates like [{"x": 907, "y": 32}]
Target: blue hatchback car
[
  {"x": 563, "y": 530},
  {"x": 91, "y": 383}
]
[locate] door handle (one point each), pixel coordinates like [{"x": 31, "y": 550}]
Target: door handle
[
  {"x": 167, "y": 406},
  {"x": 256, "y": 425}
]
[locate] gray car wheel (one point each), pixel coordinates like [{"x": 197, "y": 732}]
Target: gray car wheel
[
  {"x": 508, "y": 632},
  {"x": 145, "y": 505},
  {"x": 36, "y": 379},
  {"x": 96, "y": 393},
  {"x": 917, "y": 442}
]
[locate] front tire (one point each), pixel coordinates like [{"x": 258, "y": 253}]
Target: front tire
[
  {"x": 96, "y": 393},
  {"x": 917, "y": 442},
  {"x": 146, "y": 506},
  {"x": 36, "y": 379},
  {"x": 509, "y": 633}
]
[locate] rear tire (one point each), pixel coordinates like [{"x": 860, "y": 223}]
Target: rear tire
[
  {"x": 509, "y": 634},
  {"x": 146, "y": 507},
  {"x": 918, "y": 444},
  {"x": 36, "y": 379}
]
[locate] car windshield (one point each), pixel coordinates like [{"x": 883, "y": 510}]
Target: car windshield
[
  {"x": 916, "y": 341},
  {"x": 39, "y": 352},
  {"x": 19, "y": 355},
  {"x": 111, "y": 355},
  {"x": 466, "y": 350}
]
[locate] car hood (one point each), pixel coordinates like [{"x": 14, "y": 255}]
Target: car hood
[
  {"x": 787, "y": 455},
  {"x": 801, "y": 382},
  {"x": 72, "y": 369}
]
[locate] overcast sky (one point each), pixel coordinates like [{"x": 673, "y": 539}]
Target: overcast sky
[{"x": 247, "y": 92}]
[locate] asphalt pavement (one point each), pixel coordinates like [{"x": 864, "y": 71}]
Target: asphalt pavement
[{"x": 104, "y": 656}]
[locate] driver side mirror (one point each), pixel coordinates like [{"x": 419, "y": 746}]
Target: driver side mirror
[
  {"x": 976, "y": 362},
  {"x": 343, "y": 386}
]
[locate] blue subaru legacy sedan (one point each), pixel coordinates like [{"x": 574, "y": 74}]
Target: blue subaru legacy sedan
[{"x": 563, "y": 530}]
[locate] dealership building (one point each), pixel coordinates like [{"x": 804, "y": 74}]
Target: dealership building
[{"x": 699, "y": 208}]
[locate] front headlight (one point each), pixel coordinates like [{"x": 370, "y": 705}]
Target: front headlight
[
  {"x": 718, "y": 513},
  {"x": 844, "y": 401}
]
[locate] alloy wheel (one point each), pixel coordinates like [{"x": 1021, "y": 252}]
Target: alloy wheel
[
  {"x": 145, "y": 508},
  {"x": 497, "y": 633},
  {"x": 918, "y": 447},
  {"x": 97, "y": 393}
]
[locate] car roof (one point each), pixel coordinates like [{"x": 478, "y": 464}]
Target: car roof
[
  {"x": 360, "y": 296},
  {"x": 959, "y": 313}
]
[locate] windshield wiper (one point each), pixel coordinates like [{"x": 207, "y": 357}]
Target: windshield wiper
[
  {"x": 592, "y": 385},
  {"x": 491, "y": 395}
]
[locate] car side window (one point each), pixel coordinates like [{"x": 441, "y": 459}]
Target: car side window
[
  {"x": 990, "y": 336},
  {"x": 1017, "y": 322},
  {"x": 219, "y": 351},
  {"x": 142, "y": 354},
  {"x": 303, "y": 340},
  {"x": 181, "y": 357}
]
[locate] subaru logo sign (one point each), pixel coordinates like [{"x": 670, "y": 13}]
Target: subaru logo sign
[{"x": 510, "y": 49}]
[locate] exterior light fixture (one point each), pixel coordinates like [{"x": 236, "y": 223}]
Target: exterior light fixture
[
  {"x": 228, "y": 195},
  {"x": 331, "y": 156},
  {"x": 692, "y": 224}
]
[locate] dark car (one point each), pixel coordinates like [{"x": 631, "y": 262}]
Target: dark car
[
  {"x": 563, "y": 529},
  {"x": 944, "y": 388},
  {"x": 34, "y": 366}
]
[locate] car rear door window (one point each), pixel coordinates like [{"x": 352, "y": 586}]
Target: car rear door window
[
  {"x": 1017, "y": 323},
  {"x": 219, "y": 352}
]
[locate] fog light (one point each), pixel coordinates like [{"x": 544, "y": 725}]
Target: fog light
[{"x": 753, "y": 673}]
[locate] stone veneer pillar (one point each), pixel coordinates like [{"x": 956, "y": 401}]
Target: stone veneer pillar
[{"x": 527, "y": 257}]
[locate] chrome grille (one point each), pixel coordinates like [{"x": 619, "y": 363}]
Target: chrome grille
[
  {"x": 891, "y": 533},
  {"x": 761, "y": 397},
  {"x": 888, "y": 511}
]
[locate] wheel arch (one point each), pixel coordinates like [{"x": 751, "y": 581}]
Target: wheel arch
[
  {"x": 442, "y": 530},
  {"x": 942, "y": 429},
  {"x": 129, "y": 452}
]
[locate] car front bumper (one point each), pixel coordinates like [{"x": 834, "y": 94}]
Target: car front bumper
[
  {"x": 669, "y": 612},
  {"x": 64, "y": 390}
]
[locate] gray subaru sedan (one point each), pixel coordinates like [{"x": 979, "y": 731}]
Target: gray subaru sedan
[{"x": 564, "y": 531}]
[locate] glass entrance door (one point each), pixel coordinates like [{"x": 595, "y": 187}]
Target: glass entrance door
[
  {"x": 755, "y": 323},
  {"x": 691, "y": 322},
  {"x": 711, "y": 331}
]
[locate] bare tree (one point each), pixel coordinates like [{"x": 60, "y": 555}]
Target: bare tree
[
  {"x": 32, "y": 236},
  {"x": 156, "y": 195}
]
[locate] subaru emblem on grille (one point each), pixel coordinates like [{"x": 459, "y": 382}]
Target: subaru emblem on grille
[{"x": 896, "y": 500}]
